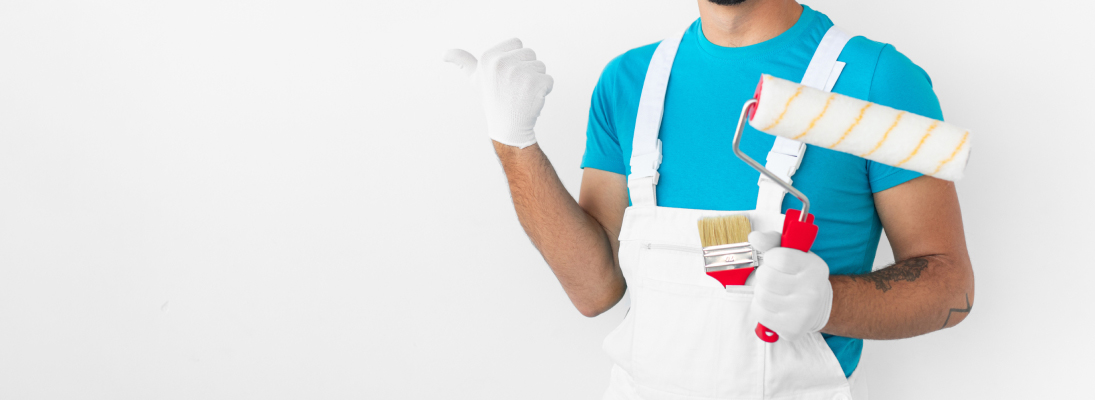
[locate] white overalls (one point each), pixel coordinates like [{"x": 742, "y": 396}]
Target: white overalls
[{"x": 686, "y": 337}]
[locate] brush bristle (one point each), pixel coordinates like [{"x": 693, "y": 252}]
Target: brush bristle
[{"x": 724, "y": 230}]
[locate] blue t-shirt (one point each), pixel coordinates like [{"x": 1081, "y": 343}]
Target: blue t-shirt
[{"x": 707, "y": 88}]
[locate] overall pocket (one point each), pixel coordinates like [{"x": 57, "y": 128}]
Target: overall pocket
[
  {"x": 803, "y": 367},
  {"x": 686, "y": 338}
]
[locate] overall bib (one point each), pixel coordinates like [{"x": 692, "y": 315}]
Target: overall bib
[{"x": 686, "y": 337}]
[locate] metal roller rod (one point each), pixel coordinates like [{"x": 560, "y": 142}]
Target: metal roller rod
[{"x": 737, "y": 151}]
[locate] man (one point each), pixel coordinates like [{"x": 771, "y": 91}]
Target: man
[{"x": 683, "y": 339}]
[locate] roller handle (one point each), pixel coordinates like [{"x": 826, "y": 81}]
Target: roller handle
[{"x": 797, "y": 235}]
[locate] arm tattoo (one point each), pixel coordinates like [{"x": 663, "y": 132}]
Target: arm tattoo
[
  {"x": 962, "y": 310},
  {"x": 908, "y": 270}
]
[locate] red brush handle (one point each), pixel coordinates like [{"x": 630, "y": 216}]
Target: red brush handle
[
  {"x": 797, "y": 235},
  {"x": 732, "y": 277}
]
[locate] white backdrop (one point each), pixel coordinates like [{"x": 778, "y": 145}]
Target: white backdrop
[{"x": 282, "y": 200}]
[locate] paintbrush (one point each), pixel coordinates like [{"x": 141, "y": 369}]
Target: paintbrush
[{"x": 728, "y": 256}]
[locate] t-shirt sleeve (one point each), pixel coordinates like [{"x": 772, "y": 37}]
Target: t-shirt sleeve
[
  {"x": 900, "y": 84},
  {"x": 602, "y": 144}
]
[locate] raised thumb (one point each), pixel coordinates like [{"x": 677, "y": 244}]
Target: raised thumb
[{"x": 462, "y": 59}]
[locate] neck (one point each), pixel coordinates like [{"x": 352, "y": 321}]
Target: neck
[{"x": 748, "y": 23}]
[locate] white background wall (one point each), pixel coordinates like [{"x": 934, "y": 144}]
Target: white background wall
[{"x": 275, "y": 200}]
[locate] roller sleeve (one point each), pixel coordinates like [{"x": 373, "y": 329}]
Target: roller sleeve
[{"x": 868, "y": 130}]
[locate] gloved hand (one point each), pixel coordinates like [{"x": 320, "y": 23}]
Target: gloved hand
[
  {"x": 513, "y": 85},
  {"x": 792, "y": 294}
]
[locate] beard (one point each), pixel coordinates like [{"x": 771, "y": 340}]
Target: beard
[{"x": 727, "y": 2}]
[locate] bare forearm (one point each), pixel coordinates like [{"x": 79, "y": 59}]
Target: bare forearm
[
  {"x": 912, "y": 297},
  {"x": 572, "y": 242}
]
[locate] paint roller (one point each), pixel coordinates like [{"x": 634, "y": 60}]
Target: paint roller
[{"x": 864, "y": 129}]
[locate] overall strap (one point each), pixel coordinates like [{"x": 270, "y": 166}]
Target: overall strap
[
  {"x": 646, "y": 148},
  {"x": 786, "y": 154}
]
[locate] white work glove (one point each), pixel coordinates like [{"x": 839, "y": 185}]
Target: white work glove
[
  {"x": 792, "y": 293},
  {"x": 513, "y": 85}
]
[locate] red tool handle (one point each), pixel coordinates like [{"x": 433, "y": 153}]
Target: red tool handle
[
  {"x": 797, "y": 235},
  {"x": 732, "y": 277}
]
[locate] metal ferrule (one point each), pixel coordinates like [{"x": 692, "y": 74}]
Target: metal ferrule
[{"x": 730, "y": 256}]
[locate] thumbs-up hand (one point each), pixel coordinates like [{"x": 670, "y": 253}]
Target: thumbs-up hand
[{"x": 513, "y": 85}]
